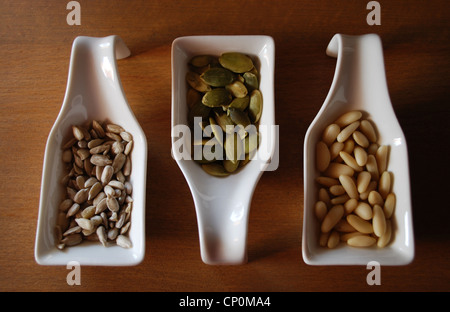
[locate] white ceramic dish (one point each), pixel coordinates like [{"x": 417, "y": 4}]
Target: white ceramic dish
[
  {"x": 222, "y": 204},
  {"x": 94, "y": 91},
  {"x": 359, "y": 84}
]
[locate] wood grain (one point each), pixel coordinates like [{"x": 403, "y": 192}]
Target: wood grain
[{"x": 35, "y": 49}]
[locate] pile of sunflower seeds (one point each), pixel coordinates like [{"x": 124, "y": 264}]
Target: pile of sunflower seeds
[
  {"x": 98, "y": 203},
  {"x": 224, "y": 92}
]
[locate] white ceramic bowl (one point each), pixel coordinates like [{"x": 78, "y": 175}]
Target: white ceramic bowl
[
  {"x": 222, "y": 204},
  {"x": 94, "y": 91},
  {"x": 359, "y": 84}
]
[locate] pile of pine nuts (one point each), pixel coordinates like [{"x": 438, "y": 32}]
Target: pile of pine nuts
[{"x": 355, "y": 199}]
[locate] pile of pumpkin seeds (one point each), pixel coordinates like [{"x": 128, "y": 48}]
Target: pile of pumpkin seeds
[{"x": 223, "y": 96}]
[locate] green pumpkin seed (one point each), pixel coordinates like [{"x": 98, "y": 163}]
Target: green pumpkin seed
[
  {"x": 192, "y": 97},
  {"x": 251, "y": 142},
  {"x": 251, "y": 81},
  {"x": 198, "y": 110},
  {"x": 209, "y": 149},
  {"x": 216, "y": 98},
  {"x": 216, "y": 130},
  {"x": 230, "y": 166},
  {"x": 236, "y": 62},
  {"x": 201, "y": 60},
  {"x": 234, "y": 147},
  {"x": 255, "y": 106},
  {"x": 238, "y": 117},
  {"x": 195, "y": 82},
  {"x": 217, "y": 77},
  {"x": 240, "y": 103},
  {"x": 245, "y": 161},
  {"x": 215, "y": 169},
  {"x": 223, "y": 120},
  {"x": 237, "y": 89}
]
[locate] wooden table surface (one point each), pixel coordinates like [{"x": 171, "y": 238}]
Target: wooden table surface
[{"x": 35, "y": 46}]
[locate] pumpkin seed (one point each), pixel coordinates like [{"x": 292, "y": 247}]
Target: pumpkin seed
[
  {"x": 234, "y": 148},
  {"x": 236, "y": 62},
  {"x": 195, "y": 82},
  {"x": 217, "y": 77},
  {"x": 238, "y": 117},
  {"x": 230, "y": 166},
  {"x": 215, "y": 169},
  {"x": 251, "y": 142},
  {"x": 198, "y": 110},
  {"x": 255, "y": 106},
  {"x": 240, "y": 103},
  {"x": 237, "y": 89},
  {"x": 223, "y": 120},
  {"x": 193, "y": 96},
  {"x": 251, "y": 81},
  {"x": 216, "y": 98},
  {"x": 216, "y": 130},
  {"x": 201, "y": 60}
]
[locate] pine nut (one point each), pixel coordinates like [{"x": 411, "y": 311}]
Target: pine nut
[
  {"x": 381, "y": 156},
  {"x": 330, "y": 134},
  {"x": 350, "y": 161},
  {"x": 386, "y": 237},
  {"x": 384, "y": 187},
  {"x": 347, "y": 131},
  {"x": 321, "y": 210},
  {"x": 348, "y": 118},
  {"x": 359, "y": 224},
  {"x": 361, "y": 241},
  {"x": 364, "y": 211},
  {"x": 336, "y": 169},
  {"x": 322, "y": 156},
  {"x": 363, "y": 181},
  {"x": 360, "y": 156},
  {"x": 333, "y": 239},
  {"x": 379, "y": 221},
  {"x": 368, "y": 130},
  {"x": 389, "y": 205},
  {"x": 332, "y": 218},
  {"x": 349, "y": 186}
]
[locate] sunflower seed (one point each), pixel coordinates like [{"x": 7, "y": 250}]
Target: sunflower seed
[
  {"x": 73, "y": 230},
  {"x": 77, "y": 133},
  {"x": 112, "y": 204},
  {"x": 94, "y": 190},
  {"x": 126, "y": 136},
  {"x": 81, "y": 196},
  {"x": 85, "y": 224},
  {"x": 118, "y": 162},
  {"x": 65, "y": 204},
  {"x": 107, "y": 173},
  {"x": 72, "y": 240},
  {"x": 123, "y": 241},
  {"x": 100, "y": 160},
  {"x": 101, "y": 233}
]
